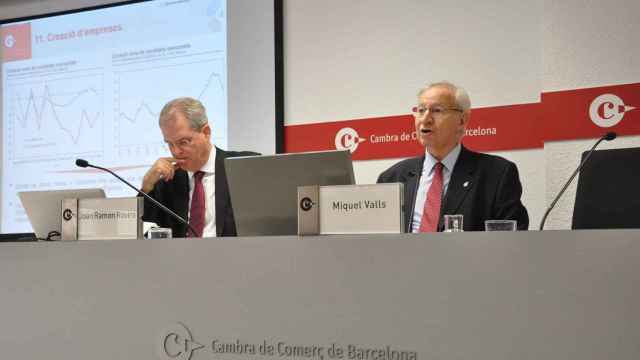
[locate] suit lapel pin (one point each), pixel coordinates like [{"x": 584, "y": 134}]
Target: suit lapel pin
[{"x": 465, "y": 185}]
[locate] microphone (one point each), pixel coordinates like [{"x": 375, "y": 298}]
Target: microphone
[
  {"x": 84, "y": 163},
  {"x": 608, "y": 136}
]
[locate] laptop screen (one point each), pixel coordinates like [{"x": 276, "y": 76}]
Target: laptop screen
[
  {"x": 264, "y": 189},
  {"x": 43, "y": 208}
]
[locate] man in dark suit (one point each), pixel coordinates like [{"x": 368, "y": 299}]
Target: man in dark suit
[
  {"x": 192, "y": 182},
  {"x": 450, "y": 179}
]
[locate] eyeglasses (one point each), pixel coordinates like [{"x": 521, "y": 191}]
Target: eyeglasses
[
  {"x": 435, "y": 111},
  {"x": 181, "y": 143}
]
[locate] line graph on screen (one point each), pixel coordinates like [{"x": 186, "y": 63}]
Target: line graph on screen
[
  {"x": 140, "y": 94},
  {"x": 55, "y": 116}
]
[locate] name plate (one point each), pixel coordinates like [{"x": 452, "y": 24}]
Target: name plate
[
  {"x": 102, "y": 219},
  {"x": 351, "y": 209}
]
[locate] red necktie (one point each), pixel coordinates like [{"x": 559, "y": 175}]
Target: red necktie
[
  {"x": 196, "y": 214},
  {"x": 431, "y": 211}
]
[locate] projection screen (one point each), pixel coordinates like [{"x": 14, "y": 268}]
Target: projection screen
[{"x": 90, "y": 84}]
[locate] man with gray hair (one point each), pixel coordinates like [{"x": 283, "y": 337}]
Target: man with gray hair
[
  {"x": 449, "y": 178},
  {"x": 192, "y": 182}
]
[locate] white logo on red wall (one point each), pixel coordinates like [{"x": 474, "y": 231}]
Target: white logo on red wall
[
  {"x": 9, "y": 41},
  {"x": 607, "y": 110},
  {"x": 348, "y": 139}
]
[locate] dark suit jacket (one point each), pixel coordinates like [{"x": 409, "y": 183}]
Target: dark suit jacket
[
  {"x": 174, "y": 194},
  {"x": 492, "y": 190}
]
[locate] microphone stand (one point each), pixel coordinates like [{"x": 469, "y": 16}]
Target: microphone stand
[{"x": 84, "y": 163}]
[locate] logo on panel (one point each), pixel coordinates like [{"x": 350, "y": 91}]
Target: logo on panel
[
  {"x": 348, "y": 139},
  {"x": 607, "y": 110},
  {"x": 178, "y": 343}
]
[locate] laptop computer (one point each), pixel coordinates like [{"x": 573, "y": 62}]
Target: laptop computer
[
  {"x": 607, "y": 195},
  {"x": 17, "y": 237},
  {"x": 264, "y": 189},
  {"x": 43, "y": 207}
]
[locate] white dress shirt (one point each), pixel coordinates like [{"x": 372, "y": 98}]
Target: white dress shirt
[{"x": 426, "y": 177}]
